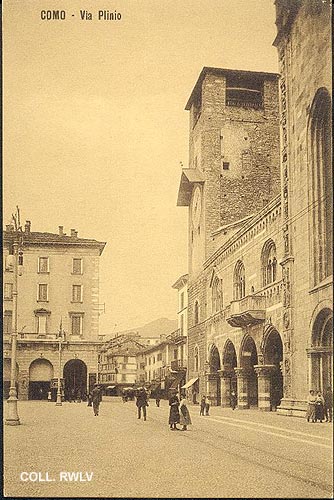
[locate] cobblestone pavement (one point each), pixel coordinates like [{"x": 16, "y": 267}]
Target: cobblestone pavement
[{"x": 236, "y": 454}]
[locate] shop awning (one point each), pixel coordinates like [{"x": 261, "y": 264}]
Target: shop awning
[
  {"x": 111, "y": 387},
  {"x": 189, "y": 383}
]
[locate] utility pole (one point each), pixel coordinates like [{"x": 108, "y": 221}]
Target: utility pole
[{"x": 12, "y": 413}]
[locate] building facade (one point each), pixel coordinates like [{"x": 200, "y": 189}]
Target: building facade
[
  {"x": 260, "y": 213},
  {"x": 307, "y": 195},
  {"x": 58, "y": 292}
]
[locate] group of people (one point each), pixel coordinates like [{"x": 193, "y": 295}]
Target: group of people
[
  {"x": 178, "y": 412},
  {"x": 319, "y": 406},
  {"x": 204, "y": 406}
]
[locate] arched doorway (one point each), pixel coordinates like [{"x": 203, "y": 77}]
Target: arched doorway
[
  {"x": 40, "y": 375},
  {"x": 229, "y": 363},
  {"x": 75, "y": 377},
  {"x": 247, "y": 360},
  {"x": 213, "y": 386},
  {"x": 6, "y": 377},
  {"x": 273, "y": 355},
  {"x": 322, "y": 351}
]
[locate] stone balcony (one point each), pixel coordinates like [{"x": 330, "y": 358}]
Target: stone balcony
[{"x": 249, "y": 310}]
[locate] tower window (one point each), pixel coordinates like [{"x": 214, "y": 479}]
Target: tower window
[{"x": 226, "y": 165}]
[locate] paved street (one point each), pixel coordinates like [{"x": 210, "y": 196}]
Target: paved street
[{"x": 236, "y": 454}]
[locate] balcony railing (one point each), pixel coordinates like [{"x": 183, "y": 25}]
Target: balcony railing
[
  {"x": 177, "y": 364},
  {"x": 246, "y": 311}
]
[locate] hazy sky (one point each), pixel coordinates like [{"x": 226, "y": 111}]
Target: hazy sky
[{"x": 95, "y": 128}]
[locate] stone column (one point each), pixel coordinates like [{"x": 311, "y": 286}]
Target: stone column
[
  {"x": 243, "y": 401},
  {"x": 264, "y": 383},
  {"x": 211, "y": 387},
  {"x": 225, "y": 386}
]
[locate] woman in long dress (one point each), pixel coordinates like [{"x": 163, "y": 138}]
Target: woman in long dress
[
  {"x": 174, "y": 414},
  {"x": 184, "y": 414}
]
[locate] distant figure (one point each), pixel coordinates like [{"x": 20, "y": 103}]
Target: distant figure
[
  {"x": 78, "y": 400},
  {"x": 72, "y": 395},
  {"x": 328, "y": 404},
  {"x": 202, "y": 406},
  {"x": 174, "y": 414},
  {"x": 233, "y": 400},
  {"x": 141, "y": 402},
  {"x": 184, "y": 413},
  {"x": 49, "y": 396},
  {"x": 157, "y": 401},
  {"x": 207, "y": 406},
  {"x": 310, "y": 414},
  {"x": 89, "y": 399},
  {"x": 319, "y": 407},
  {"x": 96, "y": 399}
]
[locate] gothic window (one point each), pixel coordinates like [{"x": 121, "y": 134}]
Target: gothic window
[
  {"x": 239, "y": 281},
  {"x": 269, "y": 263},
  {"x": 321, "y": 203}
]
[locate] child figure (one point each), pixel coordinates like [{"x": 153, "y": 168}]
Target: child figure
[{"x": 202, "y": 406}]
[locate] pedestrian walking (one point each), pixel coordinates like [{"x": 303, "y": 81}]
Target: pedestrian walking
[
  {"x": 184, "y": 413},
  {"x": 157, "y": 402},
  {"x": 319, "y": 407},
  {"x": 202, "y": 406},
  {"x": 328, "y": 397},
  {"x": 174, "y": 414},
  {"x": 207, "y": 406},
  {"x": 96, "y": 399},
  {"x": 49, "y": 396},
  {"x": 310, "y": 414},
  {"x": 141, "y": 402},
  {"x": 233, "y": 400}
]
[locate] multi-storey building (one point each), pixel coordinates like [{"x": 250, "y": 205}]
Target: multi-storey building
[
  {"x": 232, "y": 190},
  {"x": 307, "y": 196},
  {"x": 58, "y": 290},
  {"x": 118, "y": 363},
  {"x": 260, "y": 277}
]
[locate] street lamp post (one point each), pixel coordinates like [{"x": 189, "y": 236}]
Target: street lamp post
[
  {"x": 12, "y": 414},
  {"x": 59, "y": 401}
]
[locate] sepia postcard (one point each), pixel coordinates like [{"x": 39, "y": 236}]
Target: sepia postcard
[{"x": 167, "y": 249}]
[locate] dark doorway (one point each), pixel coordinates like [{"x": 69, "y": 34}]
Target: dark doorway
[
  {"x": 40, "y": 375},
  {"x": 214, "y": 363},
  {"x": 273, "y": 355},
  {"x": 229, "y": 363},
  {"x": 75, "y": 376}
]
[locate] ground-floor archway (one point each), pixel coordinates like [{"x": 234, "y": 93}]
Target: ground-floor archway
[
  {"x": 321, "y": 351},
  {"x": 273, "y": 355},
  {"x": 213, "y": 377},
  {"x": 228, "y": 376},
  {"x": 40, "y": 375},
  {"x": 75, "y": 379},
  {"x": 248, "y": 393}
]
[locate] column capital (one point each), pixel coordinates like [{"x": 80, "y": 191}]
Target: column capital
[
  {"x": 241, "y": 371},
  {"x": 264, "y": 370},
  {"x": 225, "y": 372}
]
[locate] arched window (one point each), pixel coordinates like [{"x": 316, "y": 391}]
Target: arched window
[
  {"x": 269, "y": 263},
  {"x": 319, "y": 150},
  {"x": 217, "y": 295},
  {"x": 196, "y": 359},
  {"x": 196, "y": 313},
  {"x": 239, "y": 281}
]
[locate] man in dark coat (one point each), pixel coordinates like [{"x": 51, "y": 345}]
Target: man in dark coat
[
  {"x": 141, "y": 402},
  {"x": 96, "y": 399}
]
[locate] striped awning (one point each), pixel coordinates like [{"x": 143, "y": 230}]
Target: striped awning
[{"x": 189, "y": 383}]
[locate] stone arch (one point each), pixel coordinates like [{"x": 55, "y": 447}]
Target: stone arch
[
  {"x": 213, "y": 377},
  {"x": 40, "y": 376},
  {"x": 273, "y": 356},
  {"x": 248, "y": 359},
  {"x": 75, "y": 379},
  {"x": 321, "y": 185},
  {"x": 321, "y": 351}
]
